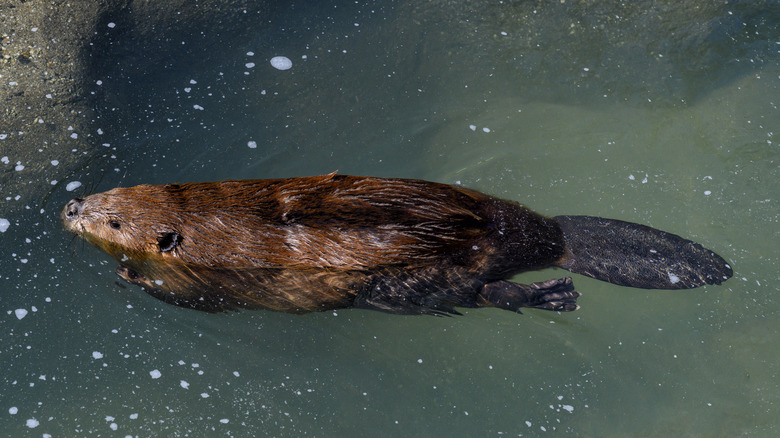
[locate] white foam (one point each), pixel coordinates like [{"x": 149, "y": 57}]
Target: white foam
[
  {"x": 281, "y": 63},
  {"x": 156, "y": 374},
  {"x": 97, "y": 355},
  {"x": 673, "y": 278},
  {"x": 73, "y": 185},
  {"x": 20, "y": 313},
  {"x": 4, "y": 224}
]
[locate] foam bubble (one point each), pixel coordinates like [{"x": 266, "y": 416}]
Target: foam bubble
[{"x": 281, "y": 63}]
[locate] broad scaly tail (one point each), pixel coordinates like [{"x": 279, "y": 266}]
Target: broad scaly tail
[{"x": 636, "y": 255}]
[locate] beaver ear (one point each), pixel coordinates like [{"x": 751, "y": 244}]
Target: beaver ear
[{"x": 169, "y": 241}]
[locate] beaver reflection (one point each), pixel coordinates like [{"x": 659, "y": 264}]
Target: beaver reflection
[{"x": 333, "y": 241}]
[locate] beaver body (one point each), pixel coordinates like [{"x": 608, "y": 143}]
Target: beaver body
[{"x": 334, "y": 241}]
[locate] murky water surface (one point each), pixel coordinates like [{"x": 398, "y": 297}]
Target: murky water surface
[{"x": 661, "y": 113}]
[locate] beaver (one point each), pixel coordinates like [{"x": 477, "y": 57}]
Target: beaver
[{"x": 398, "y": 245}]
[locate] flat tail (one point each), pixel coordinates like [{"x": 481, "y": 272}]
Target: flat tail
[{"x": 636, "y": 255}]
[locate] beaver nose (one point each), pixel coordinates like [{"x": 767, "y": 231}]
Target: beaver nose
[{"x": 73, "y": 209}]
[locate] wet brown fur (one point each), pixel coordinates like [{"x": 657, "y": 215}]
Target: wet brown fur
[{"x": 316, "y": 243}]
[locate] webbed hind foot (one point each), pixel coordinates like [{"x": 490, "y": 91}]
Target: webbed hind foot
[{"x": 557, "y": 294}]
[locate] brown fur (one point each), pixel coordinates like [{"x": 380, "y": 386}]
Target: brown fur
[
  {"x": 405, "y": 246},
  {"x": 315, "y": 243}
]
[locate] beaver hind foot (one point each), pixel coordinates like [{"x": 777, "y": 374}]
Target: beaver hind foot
[{"x": 557, "y": 295}]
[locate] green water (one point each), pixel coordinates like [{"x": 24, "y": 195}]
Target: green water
[{"x": 659, "y": 113}]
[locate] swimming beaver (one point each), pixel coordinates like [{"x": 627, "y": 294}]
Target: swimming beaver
[{"x": 398, "y": 245}]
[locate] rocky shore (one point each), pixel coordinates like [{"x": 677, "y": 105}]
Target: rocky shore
[{"x": 53, "y": 54}]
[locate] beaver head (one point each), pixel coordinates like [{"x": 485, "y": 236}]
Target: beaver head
[{"x": 130, "y": 224}]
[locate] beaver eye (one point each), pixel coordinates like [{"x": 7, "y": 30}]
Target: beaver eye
[{"x": 114, "y": 224}]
